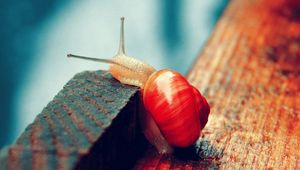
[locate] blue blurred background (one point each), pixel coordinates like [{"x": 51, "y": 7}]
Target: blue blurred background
[{"x": 37, "y": 35}]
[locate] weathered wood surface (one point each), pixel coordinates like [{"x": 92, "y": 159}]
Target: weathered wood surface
[
  {"x": 250, "y": 73},
  {"x": 90, "y": 124}
]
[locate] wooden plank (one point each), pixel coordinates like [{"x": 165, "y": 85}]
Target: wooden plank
[
  {"x": 250, "y": 73},
  {"x": 90, "y": 124}
]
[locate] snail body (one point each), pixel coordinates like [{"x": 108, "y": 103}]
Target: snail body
[{"x": 174, "y": 113}]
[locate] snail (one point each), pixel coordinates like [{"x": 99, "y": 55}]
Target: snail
[{"x": 174, "y": 111}]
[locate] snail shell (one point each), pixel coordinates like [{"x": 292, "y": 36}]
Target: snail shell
[{"x": 176, "y": 106}]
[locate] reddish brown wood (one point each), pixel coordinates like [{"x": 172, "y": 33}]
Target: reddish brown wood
[{"x": 250, "y": 73}]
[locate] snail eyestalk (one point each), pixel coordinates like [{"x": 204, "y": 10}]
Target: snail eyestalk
[{"x": 122, "y": 44}]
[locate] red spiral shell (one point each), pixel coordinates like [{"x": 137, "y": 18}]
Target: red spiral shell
[{"x": 178, "y": 108}]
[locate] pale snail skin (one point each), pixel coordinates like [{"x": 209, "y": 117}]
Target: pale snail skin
[{"x": 134, "y": 72}]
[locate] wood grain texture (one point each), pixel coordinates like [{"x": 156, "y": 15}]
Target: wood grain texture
[
  {"x": 250, "y": 73},
  {"x": 90, "y": 124}
]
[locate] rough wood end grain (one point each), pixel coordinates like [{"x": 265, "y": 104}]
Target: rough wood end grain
[{"x": 91, "y": 124}]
